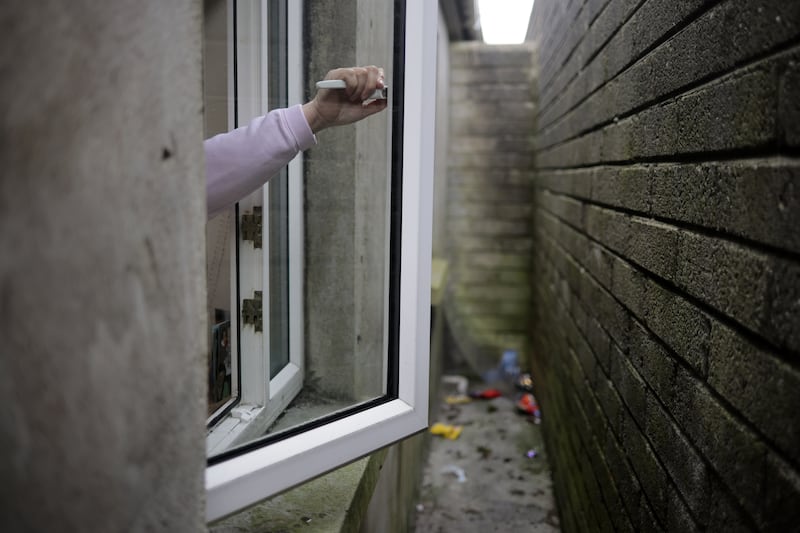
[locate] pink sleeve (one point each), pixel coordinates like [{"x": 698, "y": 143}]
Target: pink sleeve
[{"x": 242, "y": 160}]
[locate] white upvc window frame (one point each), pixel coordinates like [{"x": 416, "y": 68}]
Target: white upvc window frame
[
  {"x": 245, "y": 479},
  {"x": 262, "y": 399}
]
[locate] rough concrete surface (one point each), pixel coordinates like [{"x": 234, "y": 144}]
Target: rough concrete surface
[{"x": 504, "y": 490}]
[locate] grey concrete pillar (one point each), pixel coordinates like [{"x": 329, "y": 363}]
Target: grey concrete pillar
[{"x": 102, "y": 294}]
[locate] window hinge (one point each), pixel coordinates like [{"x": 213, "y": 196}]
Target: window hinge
[
  {"x": 251, "y": 227},
  {"x": 251, "y": 311}
]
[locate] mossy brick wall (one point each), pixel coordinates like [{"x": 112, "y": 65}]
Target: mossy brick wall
[
  {"x": 666, "y": 271},
  {"x": 489, "y": 200}
]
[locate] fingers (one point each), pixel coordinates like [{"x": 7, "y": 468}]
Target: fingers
[
  {"x": 376, "y": 106},
  {"x": 374, "y": 75},
  {"x": 361, "y": 81}
]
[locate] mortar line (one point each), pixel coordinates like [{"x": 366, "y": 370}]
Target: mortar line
[
  {"x": 696, "y": 85},
  {"x": 734, "y": 411},
  {"x": 687, "y": 21},
  {"x": 783, "y": 354},
  {"x": 706, "y": 231},
  {"x": 622, "y": 401}
]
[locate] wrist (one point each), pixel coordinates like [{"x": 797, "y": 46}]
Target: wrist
[{"x": 313, "y": 117}]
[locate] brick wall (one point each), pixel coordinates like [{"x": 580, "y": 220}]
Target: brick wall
[
  {"x": 489, "y": 206},
  {"x": 666, "y": 274}
]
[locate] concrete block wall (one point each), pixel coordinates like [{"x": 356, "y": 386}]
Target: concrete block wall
[
  {"x": 489, "y": 169},
  {"x": 666, "y": 271},
  {"x": 102, "y": 279}
]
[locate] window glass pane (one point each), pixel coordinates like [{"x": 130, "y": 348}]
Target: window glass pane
[
  {"x": 347, "y": 198},
  {"x": 218, "y": 230},
  {"x": 278, "y": 211},
  {"x": 335, "y": 208}
]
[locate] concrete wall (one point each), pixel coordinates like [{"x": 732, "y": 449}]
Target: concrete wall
[
  {"x": 102, "y": 214},
  {"x": 489, "y": 168},
  {"x": 667, "y": 262},
  {"x": 346, "y": 208}
]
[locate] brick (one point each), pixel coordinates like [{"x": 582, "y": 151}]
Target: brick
[
  {"x": 469, "y": 227},
  {"x": 608, "y": 227},
  {"x": 652, "y": 245},
  {"x": 757, "y": 200},
  {"x": 607, "y": 22},
  {"x": 575, "y": 182},
  {"x": 611, "y": 403},
  {"x": 486, "y": 123},
  {"x": 630, "y": 386},
  {"x": 600, "y": 342},
  {"x": 482, "y": 144},
  {"x": 477, "y": 94},
  {"x": 519, "y": 212},
  {"x": 724, "y": 514},
  {"x": 678, "y": 516},
  {"x": 598, "y": 261},
  {"x": 737, "y": 112},
  {"x": 647, "y": 517},
  {"x": 652, "y": 477},
  {"x": 702, "y": 50},
  {"x": 683, "y": 464},
  {"x": 474, "y": 54},
  {"x": 781, "y": 506},
  {"x": 626, "y": 482},
  {"x": 622, "y": 187},
  {"x": 509, "y": 74},
  {"x": 760, "y": 291},
  {"x": 733, "y": 451},
  {"x": 788, "y": 104},
  {"x": 489, "y": 160},
  {"x": 763, "y": 388},
  {"x": 597, "y": 420},
  {"x": 577, "y": 311},
  {"x": 511, "y": 309},
  {"x": 729, "y": 277},
  {"x": 611, "y": 498},
  {"x": 561, "y": 45},
  {"x": 726, "y": 116},
  {"x": 782, "y": 313},
  {"x": 518, "y": 278},
  {"x": 679, "y": 324},
  {"x": 584, "y": 354},
  {"x": 495, "y": 260},
  {"x": 628, "y": 285},
  {"x": 597, "y": 509},
  {"x": 573, "y": 275},
  {"x": 612, "y": 316},
  {"x": 654, "y": 363}
]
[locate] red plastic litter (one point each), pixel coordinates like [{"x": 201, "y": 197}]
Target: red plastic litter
[
  {"x": 486, "y": 394},
  {"x": 527, "y": 404}
]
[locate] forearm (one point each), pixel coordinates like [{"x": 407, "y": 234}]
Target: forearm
[{"x": 241, "y": 161}]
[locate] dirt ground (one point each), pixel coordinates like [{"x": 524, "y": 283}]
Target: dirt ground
[{"x": 486, "y": 480}]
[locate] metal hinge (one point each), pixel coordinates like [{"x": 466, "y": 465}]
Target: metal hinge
[
  {"x": 251, "y": 227},
  {"x": 251, "y": 311}
]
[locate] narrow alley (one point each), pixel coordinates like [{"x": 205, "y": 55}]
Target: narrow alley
[{"x": 491, "y": 472}]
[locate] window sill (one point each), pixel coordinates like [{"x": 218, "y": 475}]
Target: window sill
[{"x": 334, "y": 502}]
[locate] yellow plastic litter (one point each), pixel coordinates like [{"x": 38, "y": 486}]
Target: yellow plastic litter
[
  {"x": 446, "y": 431},
  {"x": 457, "y": 399}
]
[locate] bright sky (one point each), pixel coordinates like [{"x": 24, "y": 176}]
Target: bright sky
[{"x": 504, "y": 21}]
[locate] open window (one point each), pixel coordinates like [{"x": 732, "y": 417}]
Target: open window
[{"x": 319, "y": 283}]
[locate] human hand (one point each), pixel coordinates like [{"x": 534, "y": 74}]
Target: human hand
[{"x": 336, "y": 107}]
